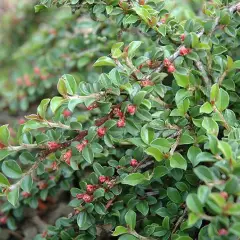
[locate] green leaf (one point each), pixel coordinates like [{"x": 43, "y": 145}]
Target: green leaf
[
  {"x": 4, "y": 135},
  {"x": 133, "y": 46},
  {"x": 70, "y": 84},
  {"x": 13, "y": 196},
  {"x": 174, "y": 195},
  {"x": 193, "y": 203},
  {"x": 160, "y": 171},
  {"x": 83, "y": 221},
  {"x": 147, "y": 134},
  {"x": 61, "y": 87},
  {"x": 134, "y": 179},
  {"x": 130, "y": 219},
  {"x": 4, "y": 154},
  {"x": 104, "y": 61},
  {"x": 206, "y": 108},
  {"x": 204, "y": 174},
  {"x": 235, "y": 229},
  {"x": 138, "y": 98},
  {"x": 162, "y": 144},
  {"x": 222, "y": 101},
  {"x": 41, "y": 110},
  {"x": 225, "y": 149},
  {"x": 162, "y": 29},
  {"x": 27, "y": 183},
  {"x": 236, "y": 64},
  {"x": 155, "y": 152},
  {"x": 11, "y": 169},
  {"x": 127, "y": 237},
  {"x": 178, "y": 161},
  {"x": 100, "y": 208},
  {"x": 214, "y": 92},
  {"x": 143, "y": 207},
  {"x": 116, "y": 52},
  {"x": 192, "y": 154},
  {"x": 182, "y": 80},
  {"x": 88, "y": 154},
  {"x": 100, "y": 192},
  {"x": 39, "y": 8},
  {"x": 119, "y": 230},
  {"x": 55, "y": 103},
  {"x": 210, "y": 125},
  {"x": 4, "y": 181},
  {"x": 233, "y": 209}
]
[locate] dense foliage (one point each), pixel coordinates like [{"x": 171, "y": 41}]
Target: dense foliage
[{"x": 149, "y": 148}]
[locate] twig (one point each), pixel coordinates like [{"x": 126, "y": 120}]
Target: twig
[
  {"x": 179, "y": 220},
  {"x": 226, "y": 125},
  {"x": 205, "y": 78},
  {"x": 174, "y": 146}
]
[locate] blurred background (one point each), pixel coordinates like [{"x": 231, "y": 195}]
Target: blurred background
[{"x": 37, "y": 48}]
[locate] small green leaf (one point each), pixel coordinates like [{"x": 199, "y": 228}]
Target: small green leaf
[
  {"x": 88, "y": 154},
  {"x": 206, "y": 108},
  {"x": 119, "y": 230},
  {"x": 27, "y": 183},
  {"x": 61, "y": 87},
  {"x": 178, "y": 161},
  {"x": 155, "y": 152},
  {"x": 174, "y": 195},
  {"x": 182, "y": 80},
  {"x": 138, "y": 98},
  {"x": 133, "y": 46},
  {"x": 210, "y": 125},
  {"x": 134, "y": 179},
  {"x": 13, "y": 196},
  {"x": 130, "y": 219},
  {"x": 147, "y": 134},
  {"x": 204, "y": 174},
  {"x": 41, "y": 110},
  {"x": 214, "y": 92},
  {"x": 225, "y": 149},
  {"x": 11, "y": 169},
  {"x": 4, "y": 135},
  {"x": 104, "y": 61},
  {"x": 222, "y": 101},
  {"x": 143, "y": 207},
  {"x": 55, "y": 103},
  {"x": 193, "y": 203},
  {"x": 4, "y": 181}
]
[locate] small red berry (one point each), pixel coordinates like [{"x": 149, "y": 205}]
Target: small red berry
[
  {"x": 222, "y": 232},
  {"x": 79, "y": 195},
  {"x": 146, "y": 83},
  {"x": 37, "y": 70},
  {"x": 184, "y": 51},
  {"x": 87, "y": 198},
  {"x": 54, "y": 165},
  {"x": 141, "y": 2},
  {"x": 109, "y": 183},
  {"x": 166, "y": 62},
  {"x": 53, "y": 145},
  {"x": 67, "y": 113},
  {"x": 2, "y": 146},
  {"x": 134, "y": 163},
  {"x": 42, "y": 185},
  {"x": 131, "y": 109},
  {"x": 163, "y": 20},
  {"x": 85, "y": 142},
  {"x": 182, "y": 37},
  {"x": 27, "y": 80},
  {"x": 90, "y": 188},
  {"x": 44, "y": 234},
  {"x": 26, "y": 194},
  {"x": 67, "y": 156},
  {"x": 171, "y": 68},
  {"x": 3, "y": 220},
  {"x": 101, "y": 131},
  {"x": 118, "y": 112},
  {"x": 224, "y": 195},
  {"x": 21, "y": 121},
  {"x": 121, "y": 123},
  {"x": 80, "y": 147},
  {"x": 44, "y": 77},
  {"x": 102, "y": 179}
]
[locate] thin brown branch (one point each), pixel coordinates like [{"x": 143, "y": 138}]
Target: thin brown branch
[
  {"x": 179, "y": 221},
  {"x": 201, "y": 68}
]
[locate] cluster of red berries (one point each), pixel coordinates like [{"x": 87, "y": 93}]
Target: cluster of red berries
[
  {"x": 25, "y": 80},
  {"x": 92, "y": 106},
  {"x": 53, "y": 145},
  {"x": 67, "y": 156},
  {"x": 222, "y": 232},
  {"x": 131, "y": 109},
  {"x": 169, "y": 65},
  {"x": 121, "y": 122},
  {"x": 82, "y": 145},
  {"x": 37, "y": 71},
  {"x": 184, "y": 51}
]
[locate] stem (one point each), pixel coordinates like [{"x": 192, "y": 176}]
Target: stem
[
  {"x": 221, "y": 78},
  {"x": 58, "y": 125},
  {"x": 205, "y": 78},
  {"x": 226, "y": 125},
  {"x": 23, "y": 147},
  {"x": 180, "y": 220},
  {"x": 93, "y": 95},
  {"x": 140, "y": 237},
  {"x": 174, "y": 146}
]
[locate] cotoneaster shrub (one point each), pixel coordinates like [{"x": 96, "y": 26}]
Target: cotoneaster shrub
[{"x": 158, "y": 155}]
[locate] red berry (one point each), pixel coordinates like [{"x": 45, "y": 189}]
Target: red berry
[
  {"x": 44, "y": 77},
  {"x": 80, "y": 147},
  {"x": 118, "y": 112},
  {"x": 184, "y": 51},
  {"x": 27, "y": 80},
  {"x": 37, "y": 70},
  {"x": 87, "y": 198},
  {"x": 145, "y": 83},
  {"x": 131, "y": 109},
  {"x": 42, "y": 185},
  {"x": 101, "y": 131},
  {"x": 222, "y": 232},
  {"x": 67, "y": 156},
  {"x": 67, "y": 113},
  {"x": 171, "y": 68},
  {"x": 2, "y": 146},
  {"x": 167, "y": 62},
  {"x": 134, "y": 163},
  {"x": 76, "y": 211},
  {"x": 53, "y": 145},
  {"x": 110, "y": 184},
  {"x": 21, "y": 121},
  {"x": 224, "y": 195},
  {"x": 85, "y": 142},
  {"x": 54, "y": 165},
  {"x": 182, "y": 37},
  {"x": 26, "y": 194},
  {"x": 3, "y": 220},
  {"x": 102, "y": 179},
  {"x": 121, "y": 122},
  {"x": 79, "y": 196},
  {"x": 141, "y": 2},
  {"x": 90, "y": 188},
  {"x": 163, "y": 20}
]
